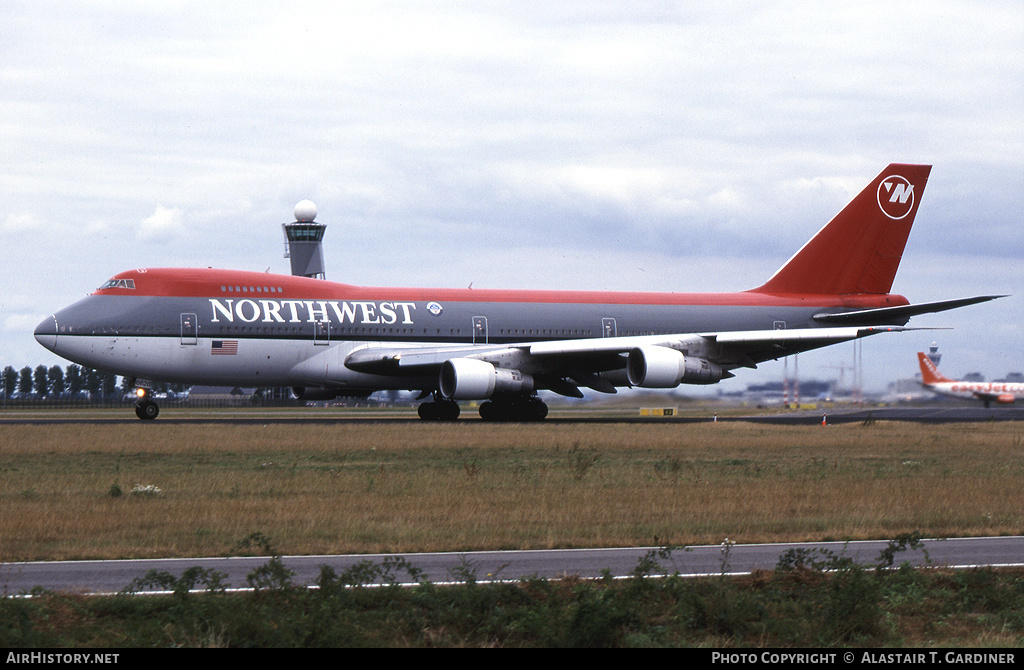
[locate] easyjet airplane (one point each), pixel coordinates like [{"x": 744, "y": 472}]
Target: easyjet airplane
[
  {"x": 987, "y": 392},
  {"x": 325, "y": 339}
]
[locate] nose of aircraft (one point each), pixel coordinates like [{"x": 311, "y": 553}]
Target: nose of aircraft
[{"x": 46, "y": 333}]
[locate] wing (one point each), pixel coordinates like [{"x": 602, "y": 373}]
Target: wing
[{"x": 649, "y": 361}]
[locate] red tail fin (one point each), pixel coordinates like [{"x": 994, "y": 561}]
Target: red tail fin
[
  {"x": 929, "y": 373},
  {"x": 860, "y": 249}
]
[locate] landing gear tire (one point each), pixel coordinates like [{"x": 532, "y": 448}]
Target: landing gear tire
[
  {"x": 439, "y": 410},
  {"x": 515, "y": 409},
  {"x": 147, "y": 410}
]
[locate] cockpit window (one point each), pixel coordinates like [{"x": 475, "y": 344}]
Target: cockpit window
[{"x": 119, "y": 283}]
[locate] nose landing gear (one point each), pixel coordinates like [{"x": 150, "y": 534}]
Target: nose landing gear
[{"x": 145, "y": 408}]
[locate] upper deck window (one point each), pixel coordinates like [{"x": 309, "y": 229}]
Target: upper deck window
[
  {"x": 251, "y": 289},
  {"x": 119, "y": 283}
]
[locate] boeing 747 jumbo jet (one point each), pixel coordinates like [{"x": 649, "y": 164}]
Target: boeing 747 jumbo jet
[
  {"x": 987, "y": 392},
  {"x": 325, "y": 339}
]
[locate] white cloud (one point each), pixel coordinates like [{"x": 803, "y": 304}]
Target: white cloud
[
  {"x": 163, "y": 224},
  {"x": 18, "y": 224}
]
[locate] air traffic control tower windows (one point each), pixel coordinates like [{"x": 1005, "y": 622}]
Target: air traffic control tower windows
[{"x": 306, "y": 232}]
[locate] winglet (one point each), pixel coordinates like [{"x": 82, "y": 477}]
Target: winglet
[{"x": 860, "y": 249}]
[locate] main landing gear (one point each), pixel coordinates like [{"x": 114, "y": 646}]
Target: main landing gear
[
  {"x": 514, "y": 408},
  {"x": 439, "y": 409},
  {"x": 506, "y": 408},
  {"x": 145, "y": 408}
]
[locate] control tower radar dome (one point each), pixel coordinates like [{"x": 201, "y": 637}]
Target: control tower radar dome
[{"x": 305, "y": 211}]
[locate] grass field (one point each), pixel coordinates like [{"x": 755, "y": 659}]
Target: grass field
[{"x": 171, "y": 490}]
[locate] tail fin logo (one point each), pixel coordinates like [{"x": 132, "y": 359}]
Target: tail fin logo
[
  {"x": 929, "y": 372},
  {"x": 896, "y": 197}
]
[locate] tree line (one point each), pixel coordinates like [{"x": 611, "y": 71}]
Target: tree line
[
  {"x": 74, "y": 381},
  {"x": 58, "y": 382}
]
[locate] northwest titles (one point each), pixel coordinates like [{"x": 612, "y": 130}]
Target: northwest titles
[{"x": 312, "y": 311}]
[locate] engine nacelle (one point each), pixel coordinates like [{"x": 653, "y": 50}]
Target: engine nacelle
[
  {"x": 662, "y": 368},
  {"x": 470, "y": 379},
  {"x": 314, "y": 394}
]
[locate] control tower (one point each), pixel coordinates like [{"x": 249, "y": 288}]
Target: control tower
[{"x": 303, "y": 242}]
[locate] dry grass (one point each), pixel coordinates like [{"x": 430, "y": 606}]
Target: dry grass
[{"x": 404, "y": 486}]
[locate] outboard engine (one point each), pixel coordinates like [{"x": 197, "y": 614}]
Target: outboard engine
[{"x": 661, "y": 367}]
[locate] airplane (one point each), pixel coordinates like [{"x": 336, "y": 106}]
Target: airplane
[
  {"x": 988, "y": 392},
  {"x": 500, "y": 347}
]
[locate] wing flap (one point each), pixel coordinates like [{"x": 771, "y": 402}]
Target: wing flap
[{"x": 747, "y": 348}]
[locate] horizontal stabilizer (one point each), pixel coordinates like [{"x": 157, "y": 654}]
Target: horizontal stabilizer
[{"x": 897, "y": 315}]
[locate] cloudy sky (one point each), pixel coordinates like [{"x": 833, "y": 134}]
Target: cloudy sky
[{"x": 606, "y": 145}]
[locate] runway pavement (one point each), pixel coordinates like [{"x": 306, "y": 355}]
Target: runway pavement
[
  {"x": 832, "y": 415},
  {"x": 438, "y": 568},
  {"x": 920, "y": 414}
]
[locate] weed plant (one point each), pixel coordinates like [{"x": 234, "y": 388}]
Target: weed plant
[{"x": 808, "y": 600}]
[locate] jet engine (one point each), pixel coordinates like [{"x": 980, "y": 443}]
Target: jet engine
[
  {"x": 661, "y": 367},
  {"x": 471, "y": 379},
  {"x": 314, "y": 394}
]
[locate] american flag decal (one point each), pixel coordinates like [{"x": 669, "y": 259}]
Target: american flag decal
[{"x": 224, "y": 348}]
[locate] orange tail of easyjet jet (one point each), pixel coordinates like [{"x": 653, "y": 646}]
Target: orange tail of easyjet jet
[
  {"x": 929, "y": 373},
  {"x": 860, "y": 249}
]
